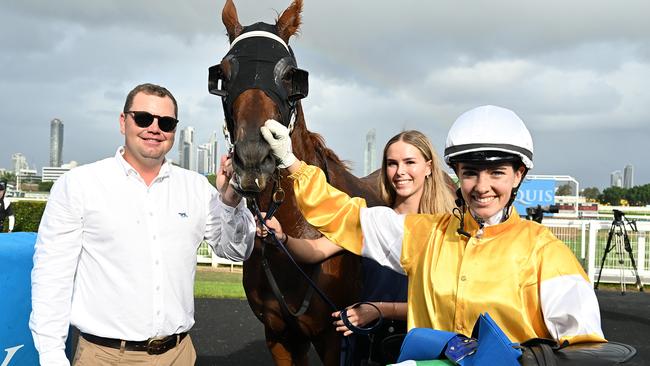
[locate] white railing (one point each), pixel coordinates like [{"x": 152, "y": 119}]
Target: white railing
[
  {"x": 588, "y": 240},
  {"x": 205, "y": 256}
]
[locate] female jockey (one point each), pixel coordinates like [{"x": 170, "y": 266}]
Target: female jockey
[{"x": 483, "y": 258}]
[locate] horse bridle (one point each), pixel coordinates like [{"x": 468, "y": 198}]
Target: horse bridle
[
  {"x": 259, "y": 59},
  {"x": 252, "y": 55}
]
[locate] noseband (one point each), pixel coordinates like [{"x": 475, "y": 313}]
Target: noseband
[{"x": 259, "y": 59}]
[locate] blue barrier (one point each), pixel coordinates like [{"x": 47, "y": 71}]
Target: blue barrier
[{"x": 16, "y": 343}]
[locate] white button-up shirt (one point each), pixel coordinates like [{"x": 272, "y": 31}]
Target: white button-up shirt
[{"x": 116, "y": 258}]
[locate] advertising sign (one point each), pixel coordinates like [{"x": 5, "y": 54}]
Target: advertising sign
[
  {"x": 535, "y": 192},
  {"x": 16, "y": 344}
]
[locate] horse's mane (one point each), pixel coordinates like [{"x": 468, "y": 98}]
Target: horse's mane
[{"x": 317, "y": 141}]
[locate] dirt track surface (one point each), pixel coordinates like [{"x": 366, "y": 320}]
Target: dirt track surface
[{"x": 227, "y": 333}]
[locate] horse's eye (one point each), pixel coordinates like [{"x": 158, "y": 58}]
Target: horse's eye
[
  {"x": 267, "y": 164},
  {"x": 230, "y": 66},
  {"x": 237, "y": 161}
]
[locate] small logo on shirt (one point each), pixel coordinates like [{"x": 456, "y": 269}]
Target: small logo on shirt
[{"x": 182, "y": 214}]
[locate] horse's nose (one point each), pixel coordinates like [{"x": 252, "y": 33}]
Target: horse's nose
[{"x": 253, "y": 165}]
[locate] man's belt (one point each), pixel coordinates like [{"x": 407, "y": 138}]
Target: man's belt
[{"x": 153, "y": 346}]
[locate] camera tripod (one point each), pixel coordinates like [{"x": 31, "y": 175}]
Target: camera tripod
[{"x": 619, "y": 240}]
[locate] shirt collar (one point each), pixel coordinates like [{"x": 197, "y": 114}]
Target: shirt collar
[
  {"x": 490, "y": 230},
  {"x": 128, "y": 169}
]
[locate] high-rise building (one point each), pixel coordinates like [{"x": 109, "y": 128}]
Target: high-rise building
[
  {"x": 213, "y": 154},
  {"x": 628, "y": 176},
  {"x": 616, "y": 179},
  {"x": 186, "y": 158},
  {"x": 20, "y": 162},
  {"x": 369, "y": 161},
  {"x": 56, "y": 142},
  {"x": 203, "y": 159}
]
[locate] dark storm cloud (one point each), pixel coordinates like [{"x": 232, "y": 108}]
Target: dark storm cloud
[{"x": 575, "y": 71}]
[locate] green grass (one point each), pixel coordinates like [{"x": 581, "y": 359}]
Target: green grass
[{"x": 217, "y": 284}]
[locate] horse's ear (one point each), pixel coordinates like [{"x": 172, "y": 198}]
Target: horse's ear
[
  {"x": 231, "y": 20},
  {"x": 289, "y": 21}
]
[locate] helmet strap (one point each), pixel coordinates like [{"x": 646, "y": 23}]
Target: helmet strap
[
  {"x": 459, "y": 212},
  {"x": 513, "y": 195}
]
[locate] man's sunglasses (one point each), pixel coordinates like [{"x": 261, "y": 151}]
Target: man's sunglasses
[{"x": 145, "y": 119}]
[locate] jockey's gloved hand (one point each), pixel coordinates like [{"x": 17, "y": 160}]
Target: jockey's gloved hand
[{"x": 277, "y": 136}]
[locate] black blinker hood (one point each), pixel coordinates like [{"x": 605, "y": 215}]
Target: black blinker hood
[{"x": 260, "y": 63}]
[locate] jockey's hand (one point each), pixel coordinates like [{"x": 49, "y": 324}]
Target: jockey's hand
[
  {"x": 278, "y": 137},
  {"x": 360, "y": 316}
]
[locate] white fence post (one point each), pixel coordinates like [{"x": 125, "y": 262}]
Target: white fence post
[
  {"x": 640, "y": 256},
  {"x": 591, "y": 248},
  {"x": 583, "y": 242}
]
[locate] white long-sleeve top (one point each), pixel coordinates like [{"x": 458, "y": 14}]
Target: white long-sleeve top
[{"x": 116, "y": 258}]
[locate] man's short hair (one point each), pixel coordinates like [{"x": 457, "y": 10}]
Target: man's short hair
[{"x": 149, "y": 89}]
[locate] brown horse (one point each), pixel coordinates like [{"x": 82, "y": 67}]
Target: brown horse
[{"x": 259, "y": 80}]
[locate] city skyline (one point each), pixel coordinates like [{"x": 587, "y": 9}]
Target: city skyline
[
  {"x": 573, "y": 71},
  {"x": 183, "y": 144},
  {"x": 209, "y": 162}
]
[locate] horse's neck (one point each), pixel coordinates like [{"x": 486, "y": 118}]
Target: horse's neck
[{"x": 304, "y": 147}]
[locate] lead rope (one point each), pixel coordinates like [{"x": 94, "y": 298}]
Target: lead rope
[
  {"x": 276, "y": 199},
  {"x": 280, "y": 245},
  {"x": 343, "y": 312}
]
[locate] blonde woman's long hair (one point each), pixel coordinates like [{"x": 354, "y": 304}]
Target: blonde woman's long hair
[{"x": 436, "y": 195}]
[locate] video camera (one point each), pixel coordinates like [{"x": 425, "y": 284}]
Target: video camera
[
  {"x": 619, "y": 218},
  {"x": 618, "y": 215},
  {"x": 537, "y": 213}
]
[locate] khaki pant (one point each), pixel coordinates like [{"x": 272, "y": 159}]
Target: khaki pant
[{"x": 90, "y": 354}]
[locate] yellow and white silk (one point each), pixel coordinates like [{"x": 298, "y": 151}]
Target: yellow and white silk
[{"x": 518, "y": 271}]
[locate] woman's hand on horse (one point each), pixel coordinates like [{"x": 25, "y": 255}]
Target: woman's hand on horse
[
  {"x": 222, "y": 182},
  {"x": 359, "y": 316},
  {"x": 277, "y": 136}
]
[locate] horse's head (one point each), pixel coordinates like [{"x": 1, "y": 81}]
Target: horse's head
[{"x": 257, "y": 80}]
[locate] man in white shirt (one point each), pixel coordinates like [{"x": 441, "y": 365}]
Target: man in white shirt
[{"x": 116, "y": 249}]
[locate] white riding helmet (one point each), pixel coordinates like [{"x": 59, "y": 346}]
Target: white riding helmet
[{"x": 489, "y": 134}]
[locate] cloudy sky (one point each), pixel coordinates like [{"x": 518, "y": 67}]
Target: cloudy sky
[{"x": 577, "y": 72}]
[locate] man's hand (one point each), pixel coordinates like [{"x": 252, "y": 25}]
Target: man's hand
[
  {"x": 278, "y": 137},
  {"x": 224, "y": 174}
]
